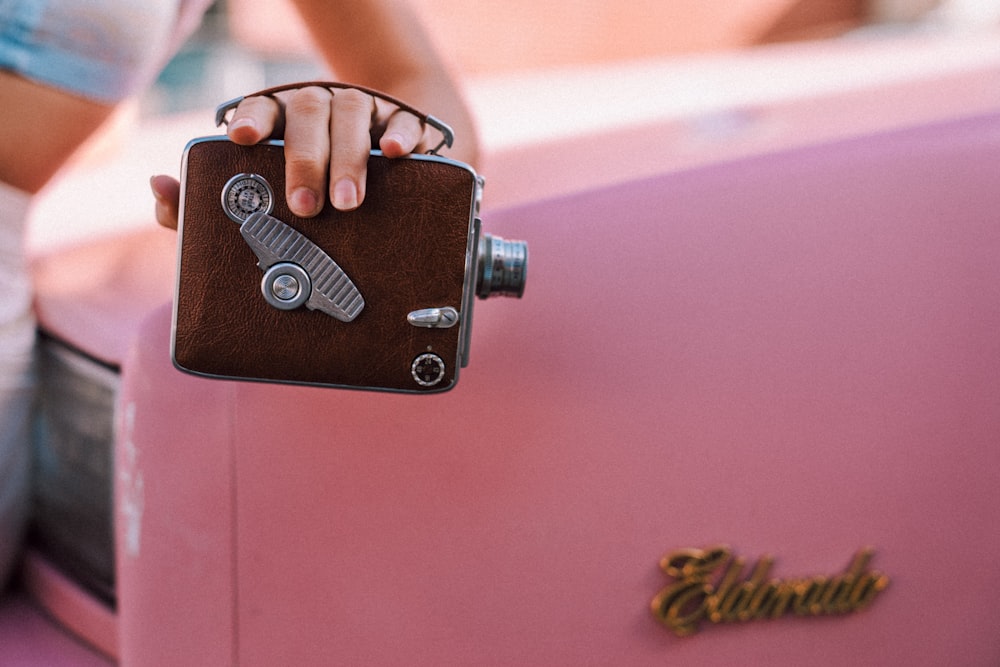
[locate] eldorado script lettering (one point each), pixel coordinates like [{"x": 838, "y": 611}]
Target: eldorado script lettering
[{"x": 711, "y": 585}]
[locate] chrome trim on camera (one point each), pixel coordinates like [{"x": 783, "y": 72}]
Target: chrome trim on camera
[
  {"x": 223, "y": 110},
  {"x": 447, "y": 134}
]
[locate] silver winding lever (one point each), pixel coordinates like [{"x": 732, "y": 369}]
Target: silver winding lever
[{"x": 297, "y": 272}]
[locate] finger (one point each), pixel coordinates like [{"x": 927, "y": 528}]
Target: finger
[
  {"x": 255, "y": 119},
  {"x": 403, "y": 134},
  {"x": 307, "y": 149},
  {"x": 167, "y": 192},
  {"x": 350, "y": 137}
]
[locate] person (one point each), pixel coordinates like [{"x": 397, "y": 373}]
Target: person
[{"x": 64, "y": 68}]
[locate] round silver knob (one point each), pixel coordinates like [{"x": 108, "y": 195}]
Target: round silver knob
[{"x": 286, "y": 286}]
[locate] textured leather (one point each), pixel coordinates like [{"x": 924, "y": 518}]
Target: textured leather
[{"x": 405, "y": 248}]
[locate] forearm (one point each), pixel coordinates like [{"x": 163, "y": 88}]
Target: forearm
[
  {"x": 382, "y": 44},
  {"x": 42, "y": 128}
]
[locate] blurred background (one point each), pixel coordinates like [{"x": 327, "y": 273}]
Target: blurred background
[
  {"x": 523, "y": 59},
  {"x": 595, "y": 90},
  {"x": 254, "y": 43}
]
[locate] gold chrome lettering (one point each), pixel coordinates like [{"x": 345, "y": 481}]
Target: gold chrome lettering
[{"x": 711, "y": 585}]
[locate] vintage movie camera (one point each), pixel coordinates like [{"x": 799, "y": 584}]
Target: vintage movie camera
[{"x": 377, "y": 298}]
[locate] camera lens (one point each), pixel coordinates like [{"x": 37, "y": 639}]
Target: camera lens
[{"x": 502, "y": 267}]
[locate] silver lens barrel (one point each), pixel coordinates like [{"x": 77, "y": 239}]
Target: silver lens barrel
[{"x": 502, "y": 267}]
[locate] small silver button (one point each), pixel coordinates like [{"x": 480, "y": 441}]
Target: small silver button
[{"x": 434, "y": 318}]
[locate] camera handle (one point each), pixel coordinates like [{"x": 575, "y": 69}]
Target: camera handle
[{"x": 447, "y": 134}]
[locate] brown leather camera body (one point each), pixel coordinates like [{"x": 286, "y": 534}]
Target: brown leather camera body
[{"x": 410, "y": 247}]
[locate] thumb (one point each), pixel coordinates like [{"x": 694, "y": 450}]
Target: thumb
[{"x": 167, "y": 192}]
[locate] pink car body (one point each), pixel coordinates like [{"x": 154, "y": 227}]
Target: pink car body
[{"x": 793, "y": 354}]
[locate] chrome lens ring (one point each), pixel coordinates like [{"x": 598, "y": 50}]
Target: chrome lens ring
[{"x": 503, "y": 267}]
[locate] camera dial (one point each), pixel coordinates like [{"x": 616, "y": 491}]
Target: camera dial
[
  {"x": 245, "y": 194},
  {"x": 427, "y": 369}
]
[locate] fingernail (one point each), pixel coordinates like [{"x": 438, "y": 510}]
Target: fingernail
[
  {"x": 303, "y": 201},
  {"x": 242, "y": 122},
  {"x": 396, "y": 137},
  {"x": 345, "y": 195},
  {"x": 152, "y": 186},
  {"x": 243, "y": 130},
  {"x": 156, "y": 193}
]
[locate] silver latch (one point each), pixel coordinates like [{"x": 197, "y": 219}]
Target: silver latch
[{"x": 434, "y": 318}]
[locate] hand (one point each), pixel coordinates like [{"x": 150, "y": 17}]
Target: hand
[{"x": 328, "y": 135}]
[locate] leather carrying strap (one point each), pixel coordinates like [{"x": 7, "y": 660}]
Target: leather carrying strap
[{"x": 447, "y": 134}]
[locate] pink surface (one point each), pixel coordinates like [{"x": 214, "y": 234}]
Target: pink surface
[
  {"x": 28, "y": 639},
  {"x": 794, "y": 354},
  {"x": 94, "y": 294},
  {"x": 530, "y": 171},
  {"x": 74, "y": 608}
]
